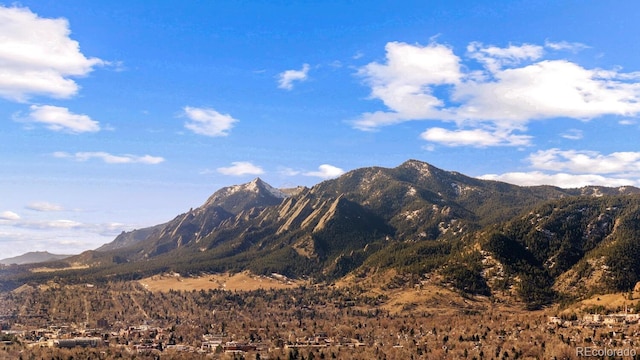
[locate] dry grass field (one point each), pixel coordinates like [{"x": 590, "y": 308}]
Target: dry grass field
[
  {"x": 243, "y": 281},
  {"x": 610, "y": 302},
  {"x": 427, "y": 297},
  {"x": 47, "y": 269}
]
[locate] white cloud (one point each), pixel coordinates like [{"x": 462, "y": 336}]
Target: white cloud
[
  {"x": 565, "y": 45},
  {"x": 475, "y": 137},
  {"x": 9, "y": 215},
  {"x": 62, "y": 224},
  {"x": 111, "y": 159},
  {"x": 37, "y": 56},
  {"x": 44, "y": 206},
  {"x": 627, "y": 122},
  {"x": 592, "y": 162},
  {"x": 414, "y": 65},
  {"x": 239, "y": 168},
  {"x": 61, "y": 119},
  {"x": 208, "y": 122},
  {"x": 286, "y": 171},
  {"x": 404, "y": 83},
  {"x": 515, "y": 85},
  {"x": 562, "y": 180},
  {"x": 326, "y": 171},
  {"x": 50, "y": 224},
  {"x": 544, "y": 90},
  {"x": 287, "y": 78},
  {"x": 573, "y": 134},
  {"x": 573, "y": 168},
  {"x": 494, "y": 58}
]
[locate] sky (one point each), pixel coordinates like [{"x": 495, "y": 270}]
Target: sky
[{"x": 123, "y": 114}]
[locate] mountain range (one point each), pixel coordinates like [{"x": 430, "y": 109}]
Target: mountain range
[{"x": 536, "y": 244}]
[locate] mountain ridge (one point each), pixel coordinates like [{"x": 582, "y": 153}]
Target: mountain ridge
[
  {"x": 414, "y": 218},
  {"x": 222, "y": 204}
]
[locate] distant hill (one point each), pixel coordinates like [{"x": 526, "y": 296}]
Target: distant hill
[
  {"x": 32, "y": 258},
  {"x": 534, "y": 244}
]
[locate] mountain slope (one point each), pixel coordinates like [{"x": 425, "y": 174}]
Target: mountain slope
[
  {"x": 573, "y": 246},
  {"x": 128, "y": 238},
  {"x": 198, "y": 223}
]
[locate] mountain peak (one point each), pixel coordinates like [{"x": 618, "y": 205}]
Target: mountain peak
[
  {"x": 236, "y": 198},
  {"x": 258, "y": 184},
  {"x": 254, "y": 185},
  {"x": 421, "y": 168},
  {"x": 257, "y": 181}
]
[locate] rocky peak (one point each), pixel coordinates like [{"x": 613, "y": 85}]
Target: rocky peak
[
  {"x": 258, "y": 185},
  {"x": 241, "y": 197},
  {"x": 421, "y": 166}
]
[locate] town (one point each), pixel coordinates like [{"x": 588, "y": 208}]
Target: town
[{"x": 123, "y": 320}]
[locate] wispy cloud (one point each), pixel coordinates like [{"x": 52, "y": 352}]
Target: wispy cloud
[
  {"x": 58, "y": 118},
  {"x": 573, "y": 134},
  {"x": 9, "y": 215},
  {"x": 208, "y": 122},
  {"x": 110, "y": 158},
  {"x": 44, "y": 206},
  {"x": 103, "y": 229},
  {"x": 326, "y": 171},
  {"x": 287, "y": 78},
  {"x": 37, "y": 56},
  {"x": 51, "y": 224},
  {"x": 239, "y": 168},
  {"x": 515, "y": 85},
  {"x": 287, "y": 171},
  {"x": 565, "y": 45},
  {"x": 495, "y": 58}
]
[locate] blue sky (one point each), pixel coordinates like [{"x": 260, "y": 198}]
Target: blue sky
[{"x": 119, "y": 115}]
